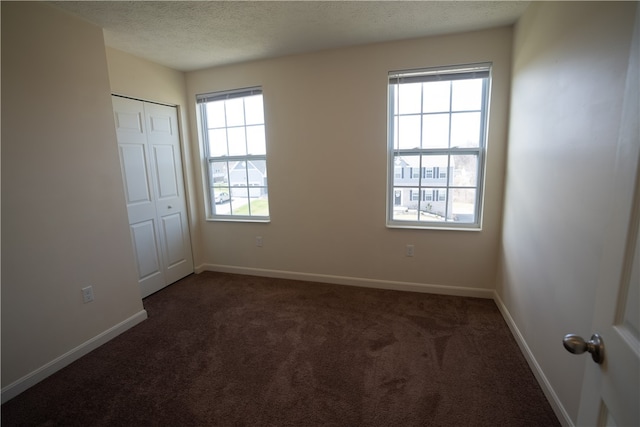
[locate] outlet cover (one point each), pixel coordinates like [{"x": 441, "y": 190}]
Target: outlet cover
[
  {"x": 87, "y": 294},
  {"x": 409, "y": 251}
]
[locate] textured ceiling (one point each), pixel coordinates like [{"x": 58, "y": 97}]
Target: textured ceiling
[{"x": 190, "y": 35}]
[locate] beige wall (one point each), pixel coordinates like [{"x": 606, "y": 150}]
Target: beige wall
[
  {"x": 64, "y": 222},
  {"x": 138, "y": 78},
  {"x": 326, "y": 135},
  {"x": 141, "y": 79},
  {"x": 569, "y": 66}
]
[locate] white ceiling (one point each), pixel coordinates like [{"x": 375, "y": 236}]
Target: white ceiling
[{"x": 190, "y": 35}]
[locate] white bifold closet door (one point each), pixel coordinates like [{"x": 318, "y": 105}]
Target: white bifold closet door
[{"x": 151, "y": 163}]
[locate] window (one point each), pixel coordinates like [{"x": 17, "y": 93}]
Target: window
[
  {"x": 438, "y": 123},
  {"x": 233, "y": 136}
]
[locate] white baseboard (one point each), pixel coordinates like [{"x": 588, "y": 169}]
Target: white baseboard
[
  {"x": 29, "y": 380},
  {"x": 351, "y": 281},
  {"x": 551, "y": 395}
]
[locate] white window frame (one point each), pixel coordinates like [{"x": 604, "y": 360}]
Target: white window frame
[
  {"x": 395, "y": 78},
  {"x": 209, "y": 160}
]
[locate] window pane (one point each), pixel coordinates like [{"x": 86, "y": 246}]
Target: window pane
[
  {"x": 221, "y": 197},
  {"x": 406, "y": 170},
  {"x": 240, "y": 200},
  {"x": 435, "y": 131},
  {"x": 257, "y": 172},
  {"x": 466, "y": 95},
  {"x": 219, "y": 174},
  {"x": 222, "y": 194},
  {"x": 215, "y": 114},
  {"x": 238, "y": 174},
  {"x": 409, "y": 131},
  {"x": 436, "y": 97},
  {"x": 409, "y": 98},
  {"x": 237, "y": 141},
  {"x": 465, "y": 171},
  {"x": 397, "y": 171},
  {"x": 404, "y": 209},
  {"x": 465, "y": 130},
  {"x": 218, "y": 142},
  {"x": 254, "y": 112},
  {"x": 464, "y": 205},
  {"x": 255, "y": 140},
  {"x": 434, "y": 205},
  {"x": 220, "y": 207},
  {"x": 235, "y": 112},
  {"x": 259, "y": 205},
  {"x": 435, "y": 170}
]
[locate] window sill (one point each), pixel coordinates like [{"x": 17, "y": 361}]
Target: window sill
[
  {"x": 235, "y": 219},
  {"x": 434, "y": 227}
]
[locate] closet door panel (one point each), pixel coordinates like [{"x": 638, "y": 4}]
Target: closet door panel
[
  {"x": 164, "y": 143},
  {"x": 151, "y": 164},
  {"x": 139, "y": 191}
]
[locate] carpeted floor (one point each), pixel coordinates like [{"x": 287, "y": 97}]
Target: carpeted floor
[{"x": 231, "y": 350}]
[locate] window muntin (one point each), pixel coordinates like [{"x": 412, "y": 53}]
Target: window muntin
[
  {"x": 437, "y": 125},
  {"x": 233, "y": 133}
]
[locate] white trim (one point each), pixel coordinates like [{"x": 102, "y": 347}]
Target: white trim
[
  {"x": 351, "y": 281},
  {"x": 31, "y": 379},
  {"x": 120, "y": 95},
  {"x": 544, "y": 383}
]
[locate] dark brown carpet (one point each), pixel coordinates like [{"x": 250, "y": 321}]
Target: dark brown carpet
[{"x": 232, "y": 350}]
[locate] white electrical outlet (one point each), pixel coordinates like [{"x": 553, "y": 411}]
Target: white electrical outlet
[
  {"x": 259, "y": 241},
  {"x": 409, "y": 250},
  {"x": 87, "y": 294}
]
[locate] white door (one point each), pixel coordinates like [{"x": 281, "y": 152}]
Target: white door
[
  {"x": 151, "y": 164},
  {"x": 611, "y": 390},
  {"x": 171, "y": 206}
]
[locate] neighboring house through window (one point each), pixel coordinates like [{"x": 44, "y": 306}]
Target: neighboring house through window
[
  {"x": 233, "y": 136},
  {"x": 437, "y": 125}
]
